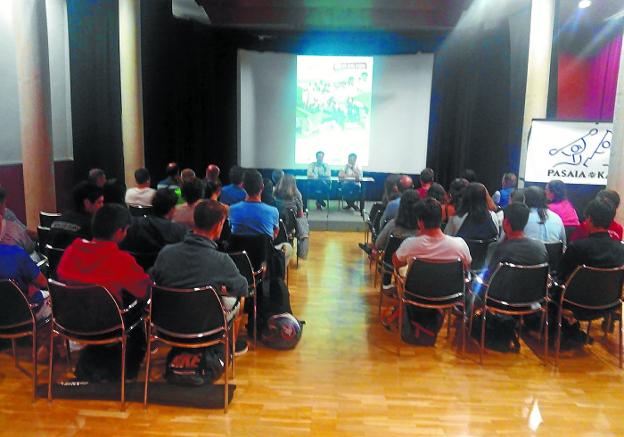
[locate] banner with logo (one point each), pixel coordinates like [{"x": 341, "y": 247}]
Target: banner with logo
[{"x": 576, "y": 152}]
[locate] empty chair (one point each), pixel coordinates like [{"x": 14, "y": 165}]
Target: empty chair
[
  {"x": 47, "y": 218},
  {"x": 139, "y": 210},
  {"x": 478, "y": 252},
  {"x": 89, "y": 314},
  {"x": 433, "y": 284},
  {"x": 592, "y": 293},
  {"x": 514, "y": 290},
  {"x": 188, "y": 318}
]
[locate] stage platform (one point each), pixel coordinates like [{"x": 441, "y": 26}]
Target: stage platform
[{"x": 335, "y": 218}]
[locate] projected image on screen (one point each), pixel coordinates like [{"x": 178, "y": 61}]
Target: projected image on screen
[{"x": 333, "y": 108}]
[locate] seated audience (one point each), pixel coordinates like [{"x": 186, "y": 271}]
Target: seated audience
[
  {"x": 405, "y": 183},
  {"x": 508, "y": 185},
  {"x": 287, "y": 196},
  {"x": 13, "y": 233},
  {"x": 114, "y": 191},
  {"x": 8, "y": 214},
  {"x": 172, "y": 181},
  {"x": 76, "y": 223},
  {"x": 469, "y": 174},
  {"x": 276, "y": 176},
  {"x": 151, "y": 233},
  {"x": 267, "y": 192},
  {"x": 351, "y": 185},
  {"x": 391, "y": 189},
  {"x": 212, "y": 173},
  {"x": 234, "y": 192},
  {"x": 559, "y": 203},
  {"x": 142, "y": 194},
  {"x": 196, "y": 261},
  {"x": 97, "y": 176},
  {"x": 474, "y": 220},
  {"x": 187, "y": 175},
  {"x": 426, "y": 179},
  {"x": 405, "y": 224},
  {"x": 543, "y": 224},
  {"x": 615, "y": 229},
  {"x": 456, "y": 191},
  {"x": 437, "y": 192},
  {"x": 212, "y": 190},
  {"x": 319, "y": 189},
  {"x": 192, "y": 192}
]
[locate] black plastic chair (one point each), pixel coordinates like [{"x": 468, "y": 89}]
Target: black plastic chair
[
  {"x": 43, "y": 237},
  {"x": 514, "y": 290},
  {"x": 139, "y": 210},
  {"x": 478, "y": 252},
  {"x": 187, "y": 318},
  {"x": 17, "y": 320},
  {"x": 592, "y": 293},
  {"x": 555, "y": 253},
  {"x": 54, "y": 255},
  {"x": 245, "y": 268},
  {"x": 436, "y": 285},
  {"x": 47, "y": 218},
  {"x": 257, "y": 248},
  {"x": 88, "y": 314},
  {"x": 385, "y": 266}
]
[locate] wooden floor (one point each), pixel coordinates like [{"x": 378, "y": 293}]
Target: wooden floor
[{"x": 346, "y": 377}]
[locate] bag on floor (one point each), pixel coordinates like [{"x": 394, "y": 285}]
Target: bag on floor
[
  {"x": 283, "y": 331},
  {"x": 194, "y": 367},
  {"x": 501, "y": 333},
  {"x": 421, "y": 326}
]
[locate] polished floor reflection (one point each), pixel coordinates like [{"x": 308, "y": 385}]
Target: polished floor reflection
[{"x": 349, "y": 377}]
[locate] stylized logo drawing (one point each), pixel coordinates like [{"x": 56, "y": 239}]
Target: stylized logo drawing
[{"x": 574, "y": 153}]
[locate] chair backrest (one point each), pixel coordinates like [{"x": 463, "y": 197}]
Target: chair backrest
[
  {"x": 289, "y": 217},
  {"x": 226, "y": 232},
  {"x": 46, "y": 218},
  {"x": 282, "y": 235},
  {"x": 244, "y": 265},
  {"x": 139, "y": 210},
  {"x": 391, "y": 246},
  {"x": 478, "y": 251},
  {"x": 256, "y": 246},
  {"x": 54, "y": 255},
  {"x": 555, "y": 253},
  {"x": 594, "y": 287},
  {"x": 84, "y": 309},
  {"x": 435, "y": 279},
  {"x": 43, "y": 236},
  {"x": 14, "y": 311},
  {"x": 518, "y": 285},
  {"x": 186, "y": 311},
  {"x": 376, "y": 214}
]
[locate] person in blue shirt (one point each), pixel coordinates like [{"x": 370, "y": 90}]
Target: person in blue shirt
[
  {"x": 252, "y": 217},
  {"x": 234, "y": 192},
  {"x": 508, "y": 185}
]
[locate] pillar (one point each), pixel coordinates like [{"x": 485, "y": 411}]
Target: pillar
[
  {"x": 131, "y": 92},
  {"x": 33, "y": 77},
  {"x": 538, "y": 70},
  {"x": 615, "y": 180}
]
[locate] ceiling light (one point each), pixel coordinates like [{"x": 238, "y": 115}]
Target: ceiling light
[{"x": 584, "y": 4}]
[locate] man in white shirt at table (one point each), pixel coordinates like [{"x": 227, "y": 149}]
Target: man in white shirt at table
[{"x": 351, "y": 176}]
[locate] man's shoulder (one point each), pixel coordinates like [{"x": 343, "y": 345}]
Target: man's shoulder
[{"x": 11, "y": 250}]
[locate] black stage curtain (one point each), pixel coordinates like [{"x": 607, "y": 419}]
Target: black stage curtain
[
  {"x": 477, "y": 102},
  {"x": 95, "y": 86}
]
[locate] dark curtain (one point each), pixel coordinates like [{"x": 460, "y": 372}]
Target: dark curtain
[
  {"x": 95, "y": 86},
  {"x": 477, "y": 102}
]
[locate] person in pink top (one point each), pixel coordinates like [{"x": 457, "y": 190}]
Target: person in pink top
[{"x": 559, "y": 203}]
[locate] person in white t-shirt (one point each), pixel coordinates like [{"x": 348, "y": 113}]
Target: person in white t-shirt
[
  {"x": 142, "y": 194},
  {"x": 431, "y": 243}
]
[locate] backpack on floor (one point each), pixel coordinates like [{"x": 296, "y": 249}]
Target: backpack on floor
[
  {"x": 194, "y": 367},
  {"x": 282, "y": 331},
  {"x": 501, "y": 333}
]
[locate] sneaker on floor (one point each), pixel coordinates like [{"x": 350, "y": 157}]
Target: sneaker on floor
[{"x": 240, "y": 347}]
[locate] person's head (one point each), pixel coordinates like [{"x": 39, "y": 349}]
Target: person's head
[
  {"x": 517, "y": 196},
  {"x": 97, "y": 176},
  {"x": 456, "y": 190},
  {"x": 142, "y": 177},
  {"x": 429, "y": 212},
  {"x": 110, "y": 223},
  {"x": 352, "y": 158},
  {"x": 187, "y": 175},
  {"x": 252, "y": 183},
  {"x": 406, "y": 216},
  {"x": 87, "y": 197},
  {"x": 287, "y": 188},
  {"x": 609, "y": 195},
  {"x": 599, "y": 214},
  {"x": 391, "y": 190},
  {"x": 213, "y": 189},
  {"x": 469, "y": 174},
  {"x": 172, "y": 171},
  {"x": 236, "y": 175},
  {"x": 556, "y": 191},
  {"x": 426, "y": 176},
  {"x": 114, "y": 191},
  {"x": 319, "y": 156},
  {"x": 163, "y": 203},
  {"x": 474, "y": 202},
  {"x": 535, "y": 197},
  {"x": 276, "y": 176},
  {"x": 192, "y": 191},
  {"x": 3, "y": 195},
  {"x": 405, "y": 183},
  {"x": 437, "y": 192},
  {"x": 212, "y": 172},
  {"x": 516, "y": 216},
  {"x": 510, "y": 180},
  {"x": 209, "y": 216}
]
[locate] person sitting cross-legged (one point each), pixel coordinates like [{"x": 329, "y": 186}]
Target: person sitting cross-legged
[{"x": 196, "y": 261}]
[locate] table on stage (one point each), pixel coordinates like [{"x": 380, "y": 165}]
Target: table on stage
[{"x": 332, "y": 180}]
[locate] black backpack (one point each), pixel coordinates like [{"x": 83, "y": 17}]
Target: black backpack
[
  {"x": 194, "y": 366},
  {"x": 501, "y": 333}
]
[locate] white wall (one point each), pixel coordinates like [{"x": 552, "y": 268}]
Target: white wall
[{"x": 399, "y": 120}]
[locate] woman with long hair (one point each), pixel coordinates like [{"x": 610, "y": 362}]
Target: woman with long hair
[
  {"x": 558, "y": 203},
  {"x": 455, "y": 193},
  {"x": 391, "y": 189},
  {"x": 406, "y": 222},
  {"x": 288, "y": 196},
  {"x": 437, "y": 192},
  {"x": 474, "y": 220},
  {"x": 543, "y": 225}
]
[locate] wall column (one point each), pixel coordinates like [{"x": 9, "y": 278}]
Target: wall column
[
  {"x": 538, "y": 70},
  {"x": 131, "y": 91},
  {"x": 615, "y": 180},
  {"x": 33, "y": 76}
]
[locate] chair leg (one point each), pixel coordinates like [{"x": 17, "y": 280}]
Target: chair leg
[
  {"x": 620, "y": 340},
  {"x": 50, "y": 365},
  {"x": 13, "y": 348},
  {"x": 380, "y": 299},
  {"x": 587, "y": 335},
  {"x": 400, "y": 321},
  {"x": 558, "y": 341},
  {"x": 463, "y": 328},
  {"x": 147, "y": 367},
  {"x": 68, "y": 353},
  {"x": 225, "y": 373},
  {"x": 482, "y": 343},
  {"x": 34, "y": 362},
  {"x": 546, "y": 327},
  {"x": 123, "y": 372},
  {"x": 255, "y": 320},
  {"x": 448, "y": 323}
]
